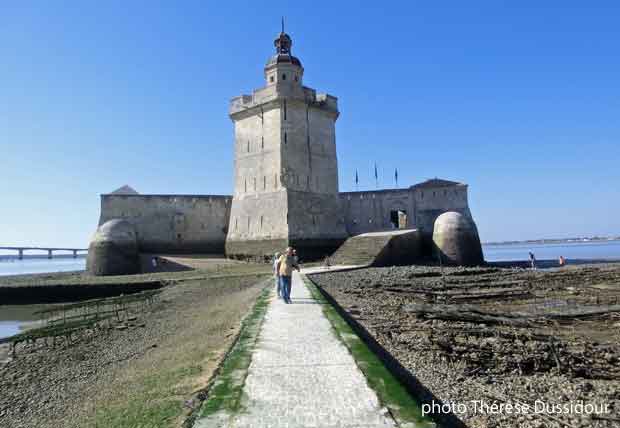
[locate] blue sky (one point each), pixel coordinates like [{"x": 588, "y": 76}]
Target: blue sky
[{"x": 518, "y": 99}]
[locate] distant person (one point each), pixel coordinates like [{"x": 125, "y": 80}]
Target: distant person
[
  {"x": 562, "y": 261},
  {"x": 286, "y": 264},
  {"x": 532, "y": 261},
  {"x": 154, "y": 262},
  {"x": 295, "y": 257},
  {"x": 276, "y": 258},
  {"x": 327, "y": 263}
]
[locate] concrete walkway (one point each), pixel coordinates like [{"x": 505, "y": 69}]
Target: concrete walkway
[{"x": 301, "y": 375}]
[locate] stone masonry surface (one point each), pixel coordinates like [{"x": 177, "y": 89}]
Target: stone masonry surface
[{"x": 301, "y": 375}]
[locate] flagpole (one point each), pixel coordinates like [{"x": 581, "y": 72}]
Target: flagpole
[{"x": 376, "y": 177}]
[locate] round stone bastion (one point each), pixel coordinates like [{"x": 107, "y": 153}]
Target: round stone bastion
[
  {"x": 113, "y": 249},
  {"x": 455, "y": 238}
]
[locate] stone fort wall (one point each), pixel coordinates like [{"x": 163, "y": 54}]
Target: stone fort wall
[
  {"x": 172, "y": 223},
  {"x": 374, "y": 211},
  {"x": 200, "y": 223}
]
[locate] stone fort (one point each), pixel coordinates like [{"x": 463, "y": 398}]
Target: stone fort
[{"x": 285, "y": 184}]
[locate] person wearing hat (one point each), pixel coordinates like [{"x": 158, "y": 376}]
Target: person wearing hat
[{"x": 286, "y": 264}]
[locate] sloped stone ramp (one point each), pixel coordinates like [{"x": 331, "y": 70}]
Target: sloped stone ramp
[{"x": 396, "y": 247}]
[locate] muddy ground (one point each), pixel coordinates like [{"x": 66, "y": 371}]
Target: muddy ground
[
  {"x": 142, "y": 370},
  {"x": 498, "y": 335}
]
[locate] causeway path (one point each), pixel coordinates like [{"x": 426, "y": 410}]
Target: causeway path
[{"x": 302, "y": 375}]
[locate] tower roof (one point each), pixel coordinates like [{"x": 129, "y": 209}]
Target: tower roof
[
  {"x": 437, "y": 182},
  {"x": 125, "y": 190},
  {"x": 283, "y": 44}
]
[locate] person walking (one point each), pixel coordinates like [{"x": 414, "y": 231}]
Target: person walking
[
  {"x": 276, "y": 258},
  {"x": 286, "y": 264},
  {"x": 533, "y": 260},
  {"x": 295, "y": 257}
]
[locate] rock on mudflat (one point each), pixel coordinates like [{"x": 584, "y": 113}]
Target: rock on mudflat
[
  {"x": 456, "y": 238},
  {"x": 113, "y": 249}
]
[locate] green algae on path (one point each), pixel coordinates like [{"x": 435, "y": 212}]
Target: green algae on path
[
  {"x": 405, "y": 409},
  {"x": 224, "y": 397}
]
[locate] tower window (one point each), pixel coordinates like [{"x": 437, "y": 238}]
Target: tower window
[
  {"x": 271, "y": 78},
  {"x": 248, "y": 146},
  {"x": 296, "y": 78},
  {"x": 284, "y": 109},
  {"x": 249, "y": 218},
  {"x": 236, "y": 223},
  {"x": 255, "y": 184},
  {"x": 284, "y": 77},
  {"x": 275, "y": 181},
  {"x": 262, "y": 142},
  {"x": 261, "y": 222},
  {"x": 308, "y": 182},
  {"x": 245, "y": 185},
  {"x": 285, "y": 138}
]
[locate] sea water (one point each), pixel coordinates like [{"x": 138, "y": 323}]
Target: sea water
[
  {"x": 10, "y": 265},
  {"x": 585, "y": 250}
]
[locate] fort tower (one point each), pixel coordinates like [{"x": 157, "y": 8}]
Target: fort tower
[{"x": 285, "y": 166}]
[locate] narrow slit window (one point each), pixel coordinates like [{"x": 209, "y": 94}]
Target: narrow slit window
[
  {"x": 262, "y": 142},
  {"x": 285, "y": 138},
  {"x": 284, "y": 77},
  {"x": 245, "y": 185},
  {"x": 284, "y": 109},
  {"x": 264, "y": 182},
  {"x": 255, "y": 184},
  {"x": 248, "y": 146}
]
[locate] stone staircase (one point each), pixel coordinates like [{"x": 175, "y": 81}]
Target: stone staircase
[{"x": 379, "y": 249}]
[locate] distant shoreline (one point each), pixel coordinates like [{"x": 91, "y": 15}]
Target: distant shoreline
[{"x": 555, "y": 241}]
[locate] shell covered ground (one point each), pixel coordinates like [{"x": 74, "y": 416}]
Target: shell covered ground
[{"x": 482, "y": 336}]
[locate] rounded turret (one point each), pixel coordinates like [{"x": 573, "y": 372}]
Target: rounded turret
[
  {"x": 113, "y": 249},
  {"x": 456, "y": 240}
]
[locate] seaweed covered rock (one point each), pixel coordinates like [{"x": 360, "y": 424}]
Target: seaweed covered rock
[
  {"x": 113, "y": 249},
  {"x": 455, "y": 238}
]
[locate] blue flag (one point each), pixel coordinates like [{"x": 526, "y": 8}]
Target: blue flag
[
  {"x": 357, "y": 179},
  {"x": 376, "y": 175}
]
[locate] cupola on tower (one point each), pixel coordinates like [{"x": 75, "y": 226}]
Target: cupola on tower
[{"x": 286, "y": 170}]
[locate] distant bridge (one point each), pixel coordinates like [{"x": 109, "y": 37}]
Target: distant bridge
[{"x": 20, "y": 250}]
